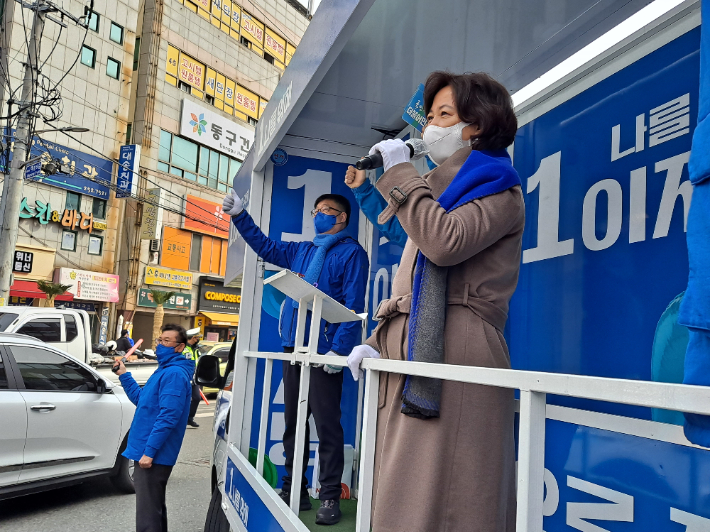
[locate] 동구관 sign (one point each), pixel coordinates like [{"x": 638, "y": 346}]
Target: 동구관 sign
[{"x": 206, "y": 127}]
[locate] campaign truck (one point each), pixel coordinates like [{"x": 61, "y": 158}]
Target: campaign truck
[{"x": 602, "y": 151}]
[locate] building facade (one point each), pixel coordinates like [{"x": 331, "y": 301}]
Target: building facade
[{"x": 182, "y": 82}]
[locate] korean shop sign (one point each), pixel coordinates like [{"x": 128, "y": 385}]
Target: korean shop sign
[
  {"x": 205, "y": 127},
  {"x": 191, "y": 71},
  {"x": 94, "y": 286},
  {"x": 72, "y": 220},
  {"x": 166, "y": 277},
  {"x": 178, "y": 301},
  {"x": 129, "y": 158},
  {"x": 22, "y": 261},
  {"x": 84, "y": 173}
]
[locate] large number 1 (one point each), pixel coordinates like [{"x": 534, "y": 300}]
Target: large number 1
[
  {"x": 314, "y": 183},
  {"x": 548, "y": 212}
]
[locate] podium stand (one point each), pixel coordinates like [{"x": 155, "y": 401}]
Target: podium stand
[{"x": 321, "y": 306}]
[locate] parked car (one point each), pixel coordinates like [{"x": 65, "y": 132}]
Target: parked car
[
  {"x": 69, "y": 331},
  {"x": 221, "y": 351},
  {"x": 62, "y": 422}
]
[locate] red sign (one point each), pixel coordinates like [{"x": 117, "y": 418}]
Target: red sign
[{"x": 205, "y": 216}]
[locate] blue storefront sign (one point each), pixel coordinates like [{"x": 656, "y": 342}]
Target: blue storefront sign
[
  {"x": 128, "y": 163},
  {"x": 607, "y": 194},
  {"x": 83, "y": 173},
  {"x": 296, "y": 186},
  {"x": 33, "y": 170}
]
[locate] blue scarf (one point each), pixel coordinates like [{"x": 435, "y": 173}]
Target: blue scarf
[
  {"x": 323, "y": 243},
  {"x": 483, "y": 174}
]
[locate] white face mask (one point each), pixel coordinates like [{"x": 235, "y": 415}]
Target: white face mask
[{"x": 443, "y": 142}]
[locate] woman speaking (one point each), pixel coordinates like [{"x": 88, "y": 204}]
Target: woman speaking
[{"x": 445, "y": 452}]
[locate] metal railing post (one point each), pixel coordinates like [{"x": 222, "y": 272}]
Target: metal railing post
[
  {"x": 531, "y": 461},
  {"x": 367, "y": 451},
  {"x": 301, "y": 420},
  {"x": 264, "y": 422}
]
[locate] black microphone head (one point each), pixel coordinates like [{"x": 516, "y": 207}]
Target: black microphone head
[{"x": 369, "y": 162}]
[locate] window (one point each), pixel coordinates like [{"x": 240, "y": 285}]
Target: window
[
  {"x": 72, "y": 329},
  {"x": 116, "y": 33},
  {"x": 184, "y": 87},
  {"x": 209, "y": 99},
  {"x": 88, "y": 56},
  {"x": 73, "y": 201},
  {"x": 183, "y": 158},
  {"x": 136, "y": 53},
  {"x": 252, "y": 121},
  {"x": 92, "y": 18},
  {"x": 47, "y": 371},
  {"x": 269, "y": 58},
  {"x": 129, "y": 133},
  {"x": 113, "y": 68},
  {"x": 195, "y": 252},
  {"x": 68, "y": 241},
  {"x": 6, "y": 318},
  {"x": 98, "y": 208},
  {"x": 245, "y": 42},
  {"x": 96, "y": 245},
  {"x": 3, "y": 376},
  {"x": 45, "y": 329}
]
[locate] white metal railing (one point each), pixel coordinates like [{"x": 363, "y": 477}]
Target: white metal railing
[{"x": 533, "y": 386}]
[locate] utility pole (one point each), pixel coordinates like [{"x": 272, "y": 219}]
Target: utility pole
[{"x": 12, "y": 190}]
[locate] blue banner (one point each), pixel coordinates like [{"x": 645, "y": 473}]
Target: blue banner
[
  {"x": 128, "y": 164},
  {"x": 414, "y": 112},
  {"x": 84, "y": 173}
]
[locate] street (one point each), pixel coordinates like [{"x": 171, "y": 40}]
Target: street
[{"x": 95, "y": 504}]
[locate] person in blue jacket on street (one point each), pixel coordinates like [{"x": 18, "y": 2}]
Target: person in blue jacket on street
[
  {"x": 158, "y": 426},
  {"x": 372, "y": 204},
  {"x": 336, "y": 264}
]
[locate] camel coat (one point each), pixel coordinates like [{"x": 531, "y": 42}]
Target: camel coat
[{"x": 455, "y": 473}]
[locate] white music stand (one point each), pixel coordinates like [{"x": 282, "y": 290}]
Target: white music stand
[{"x": 322, "y": 306}]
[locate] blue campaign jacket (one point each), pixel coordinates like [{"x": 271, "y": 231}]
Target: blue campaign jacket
[
  {"x": 343, "y": 277},
  {"x": 372, "y": 204},
  {"x": 163, "y": 405}
]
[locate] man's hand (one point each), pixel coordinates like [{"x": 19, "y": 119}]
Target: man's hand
[
  {"x": 232, "y": 204},
  {"x": 145, "y": 462},
  {"x": 332, "y": 370},
  {"x": 354, "y": 177},
  {"x": 121, "y": 368},
  {"x": 393, "y": 151}
]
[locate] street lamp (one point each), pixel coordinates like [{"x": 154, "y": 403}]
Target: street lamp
[{"x": 68, "y": 129}]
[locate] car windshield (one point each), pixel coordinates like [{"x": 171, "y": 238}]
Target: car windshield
[
  {"x": 6, "y": 318},
  {"x": 204, "y": 349}
]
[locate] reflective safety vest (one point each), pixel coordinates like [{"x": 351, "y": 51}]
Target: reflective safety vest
[{"x": 191, "y": 352}]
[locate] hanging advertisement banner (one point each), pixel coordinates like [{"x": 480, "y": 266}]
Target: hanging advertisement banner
[
  {"x": 129, "y": 161},
  {"x": 165, "y": 277},
  {"x": 213, "y": 220},
  {"x": 93, "y": 286},
  {"x": 152, "y": 214}
]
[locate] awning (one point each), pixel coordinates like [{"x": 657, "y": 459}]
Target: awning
[
  {"x": 29, "y": 289},
  {"x": 217, "y": 318}
]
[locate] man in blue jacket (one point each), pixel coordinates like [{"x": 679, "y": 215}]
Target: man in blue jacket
[
  {"x": 158, "y": 426},
  {"x": 337, "y": 265}
]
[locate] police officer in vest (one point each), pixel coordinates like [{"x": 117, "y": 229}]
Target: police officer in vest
[{"x": 191, "y": 352}]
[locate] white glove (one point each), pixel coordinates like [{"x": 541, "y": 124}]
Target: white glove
[
  {"x": 232, "y": 204},
  {"x": 356, "y": 356},
  {"x": 393, "y": 151},
  {"x": 332, "y": 369}
]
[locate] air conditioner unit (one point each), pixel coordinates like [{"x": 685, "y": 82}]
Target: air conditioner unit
[{"x": 154, "y": 245}]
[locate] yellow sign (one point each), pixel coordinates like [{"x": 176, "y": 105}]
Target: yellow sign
[
  {"x": 246, "y": 102},
  {"x": 166, "y": 277},
  {"x": 253, "y": 29},
  {"x": 219, "y": 296},
  {"x": 275, "y": 45},
  {"x": 100, "y": 226},
  {"x": 191, "y": 72}
]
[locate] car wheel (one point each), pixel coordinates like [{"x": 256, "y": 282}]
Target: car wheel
[
  {"x": 123, "y": 479},
  {"x": 216, "y": 520}
]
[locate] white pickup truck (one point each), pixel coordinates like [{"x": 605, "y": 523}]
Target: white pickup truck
[{"x": 67, "y": 330}]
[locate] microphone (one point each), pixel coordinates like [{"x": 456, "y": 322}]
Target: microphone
[{"x": 417, "y": 150}]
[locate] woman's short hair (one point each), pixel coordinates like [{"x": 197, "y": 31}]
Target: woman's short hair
[{"x": 480, "y": 100}]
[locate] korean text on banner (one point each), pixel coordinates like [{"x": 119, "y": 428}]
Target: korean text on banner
[
  {"x": 129, "y": 161},
  {"x": 165, "y": 277},
  {"x": 206, "y": 127},
  {"x": 93, "y": 286},
  {"x": 152, "y": 214},
  {"x": 414, "y": 112}
]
